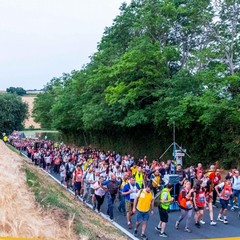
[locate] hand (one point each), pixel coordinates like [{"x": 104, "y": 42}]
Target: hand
[
  {"x": 134, "y": 210},
  {"x": 130, "y": 190},
  {"x": 152, "y": 212}
]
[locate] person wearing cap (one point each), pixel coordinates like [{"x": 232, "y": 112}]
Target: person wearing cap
[
  {"x": 224, "y": 198},
  {"x": 144, "y": 204}
]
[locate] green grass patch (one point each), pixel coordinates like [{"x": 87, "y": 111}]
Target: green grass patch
[{"x": 50, "y": 196}]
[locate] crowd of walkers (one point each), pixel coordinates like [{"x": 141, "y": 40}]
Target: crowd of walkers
[{"x": 97, "y": 176}]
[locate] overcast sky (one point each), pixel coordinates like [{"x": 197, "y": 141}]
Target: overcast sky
[{"x": 41, "y": 39}]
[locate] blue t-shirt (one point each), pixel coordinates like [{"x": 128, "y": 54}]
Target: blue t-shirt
[{"x": 131, "y": 196}]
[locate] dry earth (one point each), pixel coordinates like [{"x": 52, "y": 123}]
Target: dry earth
[
  {"x": 30, "y": 121},
  {"x": 22, "y": 217}
]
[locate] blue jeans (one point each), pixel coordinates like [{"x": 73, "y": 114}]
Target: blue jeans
[
  {"x": 111, "y": 198},
  {"x": 121, "y": 206},
  {"x": 236, "y": 193}
]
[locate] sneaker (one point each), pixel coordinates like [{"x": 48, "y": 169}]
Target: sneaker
[
  {"x": 177, "y": 225},
  {"x": 129, "y": 226},
  {"x": 144, "y": 237},
  {"x": 214, "y": 206},
  {"x": 197, "y": 225},
  {"x": 225, "y": 221},
  {"x": 212, "y": 223},
  {"x": 220, "y": 219},
  {"x": 135, "y": 232},
  {"x": 163, "y": 235},
  {"x": 187, "y": 230},
  {"x": 158, "y": 229},
  {"x": 232, "y": 209},
  {"x": 202, "y": 222}
]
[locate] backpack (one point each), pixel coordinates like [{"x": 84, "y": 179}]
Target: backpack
[
  {"x": 157, "y": 201},
  {"x": 183, "y": 202},
  {"x": 113, "y": 187}
]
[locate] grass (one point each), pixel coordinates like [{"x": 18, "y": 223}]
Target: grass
[{"x": 48, "y": 196}]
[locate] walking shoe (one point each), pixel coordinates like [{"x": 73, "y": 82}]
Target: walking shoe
[
  {"x": 177, "y": 225},
  {"x": 163, "y": 235},
  {"x": 232, "y": 209},
  {"x": 220, "y": 219},
  {"x": 212, "y": 223},
  {"x": 129, "y": 226},
  {"x": 158, "y": 229},
  {"x": 225, "y": 221},
  {"x": 202, "y": 222},
  {"x": 144, "y": 237},
  {"x": 187, "y": 230},
  {"x": 135, "y": 232},
  {"x": 197, "y": 225},
  {"x": 214, "y": 205}
]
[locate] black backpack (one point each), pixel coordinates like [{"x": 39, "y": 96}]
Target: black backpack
[{"x": 113, "y": 187}]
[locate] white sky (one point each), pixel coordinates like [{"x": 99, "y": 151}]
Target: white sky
[{"x": 41, "y": 39}]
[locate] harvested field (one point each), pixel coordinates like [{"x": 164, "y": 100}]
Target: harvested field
[{"x": 30, "y": 121}]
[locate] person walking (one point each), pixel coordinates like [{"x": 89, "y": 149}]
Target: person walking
[
  {"x": 185, "y": 201},
  {"x": 165, "y": 200},
  {"x": 236, "y": 191},
  {"x": 155, "y": 179},
  {"x": 129, "y": 192},
  {"x": 77, "y": 180},
  {"x": 144, "y": 204},
  {"x": 113, "y": 188},
  {"x": 199, "y": 200},
  {"x": 122, "y": 205},
  {"x": 224, "y": 198},
  {"x": 99, "y": 191}
]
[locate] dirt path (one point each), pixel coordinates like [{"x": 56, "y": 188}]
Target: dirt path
[{"x": 19, "y": 215}]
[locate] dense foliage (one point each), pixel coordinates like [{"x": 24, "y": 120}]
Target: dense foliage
[
  {"x": 13, "y": 113},
  {"x": 161, "y": 62},
  {"x": 18, "y": 90}
]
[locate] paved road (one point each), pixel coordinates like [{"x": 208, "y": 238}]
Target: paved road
[{"x": 232, "y": 229}]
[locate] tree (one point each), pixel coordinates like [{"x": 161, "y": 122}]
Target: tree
[
  {"x": 13, "y": 113},
  {"x": 18, "y": 90}
]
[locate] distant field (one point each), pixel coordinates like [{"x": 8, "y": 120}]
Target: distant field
[{"x": 30, "y": 122}]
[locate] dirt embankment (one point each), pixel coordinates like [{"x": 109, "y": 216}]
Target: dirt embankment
[
  {"x": 20, "y": 216},
  {"x": 30, "y": 121}
]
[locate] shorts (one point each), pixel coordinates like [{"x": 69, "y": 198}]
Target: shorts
[
  {"x": 199, "y": 208},
  {"x": 77, "y": 185},
  {"x": 128, "y": 206},
  {"x": 142, "y": 216},
  {"x": 163, "y": 214},
  {"x": 92, "y": 191},
  {"x": 224, "y": 203}
]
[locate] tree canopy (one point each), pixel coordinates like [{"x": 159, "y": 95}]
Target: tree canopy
[
  {"x": 161, "y": 62},
  {"x": 13, "y": 113},
  {"x": 18, "y": 90}
]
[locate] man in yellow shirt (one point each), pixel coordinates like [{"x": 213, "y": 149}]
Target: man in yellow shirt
[{"x": 143, "y": 203}]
